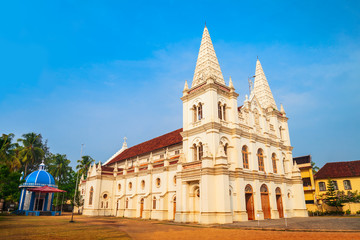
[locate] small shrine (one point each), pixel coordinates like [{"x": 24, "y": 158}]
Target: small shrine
[{"x": 37, "y": 193}]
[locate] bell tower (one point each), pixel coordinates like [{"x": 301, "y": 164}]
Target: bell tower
[{"x": 209, "y": 113}]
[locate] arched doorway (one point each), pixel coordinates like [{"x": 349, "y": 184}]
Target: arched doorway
[
  {"x": 249, "y": 198},
  {"x": 265, "y": 201},
  {"x": 174, "y": 207},
  {"x": 279, "y": 202},
  {"x": 141, "y": 207}
]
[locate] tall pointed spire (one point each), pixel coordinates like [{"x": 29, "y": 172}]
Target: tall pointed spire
[
  {"x": 262, "y": 89},
  {"x": 207, "y": 63}
]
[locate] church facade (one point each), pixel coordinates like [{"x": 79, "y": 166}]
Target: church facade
[{"x": 228, "y": 163}]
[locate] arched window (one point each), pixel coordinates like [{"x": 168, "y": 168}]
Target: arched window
[
  {"x": 198, "y": 151},
  {"x": 107, "y": 204},
  {"x": 280, "y": 132},
  {"x": 119, "y": 187},
  {"x": 226, "y": 148},
  {"x": 102, "y": 204},
  {"x": 219, "y": 110},
  {"x": 264, "y": 189},
  {"x": 194, "y": 114},
  {"x": 154, "y": 203},
  {"x": 273, "y": 158},
  {"x": 260, "y": 156},
  {"x": 91, "y": 195},
  {"x": 127, "y": 203},
  {"x": 224, "y": 112},
  {"x": 158, "y": 182},
  {"x": 245, "y": 156},
  {"x": 200, "y": 115},
  {"x": 142, "y": 184},
  {"x": 248, "y": 189}
]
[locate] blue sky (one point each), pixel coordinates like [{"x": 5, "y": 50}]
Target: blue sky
[{"x": 93, "y": 72}]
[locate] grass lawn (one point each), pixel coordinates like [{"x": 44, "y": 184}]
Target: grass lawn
[{"x": 48, "y": 227}]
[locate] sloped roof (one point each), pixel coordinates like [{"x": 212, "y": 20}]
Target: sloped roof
[
  {"x": 339, "y": 169},
  {"x": 163, "y": 141}
]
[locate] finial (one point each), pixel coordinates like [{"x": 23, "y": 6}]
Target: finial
[
  {"x": 124, "y": 146},
  {"x": 231, "y": 85},
  {"x": 42, "y": 165},
  {"x": 186, "y": 87},
  {"x": 257, "y": 57},
  {"x": 205, "y": 23}
]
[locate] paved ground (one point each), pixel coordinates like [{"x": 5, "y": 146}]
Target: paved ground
[
  {"x": 310, "y": 223},
  {"x": 119, "y": 228}
]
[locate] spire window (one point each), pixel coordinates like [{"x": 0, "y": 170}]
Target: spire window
[
  {"x": 197, "y": 112},
  {"x": 222, "y": 111},
  {"x": 198, "y": 151}
]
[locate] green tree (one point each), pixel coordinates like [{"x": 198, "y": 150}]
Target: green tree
[
  {"x": 9, "y": 152},
  {"x": 31, "y": 151},
  {"x": 331, "y": 197},
  {"x": 315, "y": 168},
  {"x": 9, "y": 184},
  {"x": 84, "y": 164},
  {"x": 58, "y": 166}
]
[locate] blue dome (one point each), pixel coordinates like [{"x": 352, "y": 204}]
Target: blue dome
[{"x": 39, "y": 178}]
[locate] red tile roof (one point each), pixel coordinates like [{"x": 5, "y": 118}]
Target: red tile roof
[
  {"x": 163, "y": 141},
  {"x": 339, "y": 169}
]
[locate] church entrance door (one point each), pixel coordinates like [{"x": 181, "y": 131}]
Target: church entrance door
[
  {"x": 279, "y": 203},
  {"x": 249, "y": 202},
  {"x": 265, "y": 201},
  {"x": 141, "y": 207}
]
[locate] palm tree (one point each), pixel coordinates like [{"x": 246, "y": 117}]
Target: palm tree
[
  {"x": 31, "y": 152},
  {"x": 84, "y": 164},
  {"x": 59, "y": 167},
  {"x": 9, "y": 152}
]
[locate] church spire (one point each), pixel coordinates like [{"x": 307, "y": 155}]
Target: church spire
[
  {"x": 207, "y": 63},
  {"x": 262, "y": 89}
]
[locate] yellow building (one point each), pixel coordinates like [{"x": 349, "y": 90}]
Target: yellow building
[
  {"x": 304, "y": 164},
  {"x": 346, "y": 177}
]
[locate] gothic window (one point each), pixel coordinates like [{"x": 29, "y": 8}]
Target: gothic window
[
  {"x": 200, "y": 151},
  {"x": 195, "y": 152},
  {"x": 154, "y": 203},
  {"x": 119, "y": 186},
  {"x": 224, "y": 112},
  {"x": 278, "y": 191},
  {"x": 158, "y": 182},
  {"x": 107, "y": 204},
  {"x": 200, "y": 115},
  {"x": 219, "y": 110},
  {"x": 273, "y": 158},
  {"x": 245, "y": 156},
  {"x": 347, "y": 185},
  {"x": 226, "y": 149},
  {"x": 174, "y": 180},
  {"x": 194, "y": 114},
  {"x": 142, "y": 184},
  {"x": 102, "y": 204},
  {"x": 197, "y": 192},
  {"x": 91, "y": 195},
  {"x": 264, "y": 189},
  {"x": 280, "y": 132},
  {"x": 260, "y": 156},
  {"x": 322, "y": 186},
  {"x": 248, "y": 189},
  {"x": 127, "y": 203},
  {"x": 130, "y": 186},
  {"x": 284, "y": 167}
]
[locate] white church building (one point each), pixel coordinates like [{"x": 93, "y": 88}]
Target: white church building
[{"x": 227, "y": 163}]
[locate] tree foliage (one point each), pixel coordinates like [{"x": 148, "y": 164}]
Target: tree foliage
[
  {"x": 331, "y": 197},
  {"x": 84, "y": 164}
]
